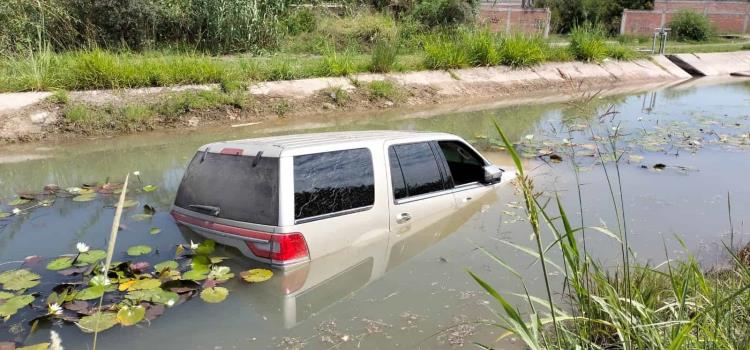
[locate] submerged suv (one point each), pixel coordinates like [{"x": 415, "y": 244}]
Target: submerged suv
[{"x": 288, "y": 199}]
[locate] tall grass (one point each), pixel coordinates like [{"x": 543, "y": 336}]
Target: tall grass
[
  {"x": 588, "y": 44},
  {"x": 384, "y": 56},
  {"x": 523, "y": 51},
  {"x": 445, "y": 52},
  {"x": 674, "y": 305}
]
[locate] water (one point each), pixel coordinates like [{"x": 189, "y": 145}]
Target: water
[{"x": 414, "y": 293}]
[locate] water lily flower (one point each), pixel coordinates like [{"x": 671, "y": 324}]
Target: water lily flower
[
  {"x": 16, "y": 211},
  {"x": 530, "y": 137},
  {"x": 170, "y": 302},
  {"x": 54, "y": 309},
  {"x": 82, "y": 247},
  {"x": 137, "y": 173},
  {"x": 193, "y": 246}
]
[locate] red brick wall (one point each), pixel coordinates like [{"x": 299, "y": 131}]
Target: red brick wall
[
  {"x": 726, "y": 16},
  {"x": 513, "y": 19}
]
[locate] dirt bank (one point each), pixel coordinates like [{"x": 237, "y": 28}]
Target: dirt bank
[{"x": 33, "y": 116}]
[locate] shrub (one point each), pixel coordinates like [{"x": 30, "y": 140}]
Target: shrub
[
  {"x": 360, "y": 31},
  {"x": 302, "y": 20},
  {"x": 136, "y": 113},
  {"x": 445, "y": 52},
  {"x": 746, "y": 47},
  {"x": 383, "y": 56},
  {"x": 434, "y": 13},
  {"x": 587, "y": 43},
  {"x": 482, "y": 47},
  {"x": 335, "y": 64},
  {"x": 689, "y": 25},
  {"x": 522, "y": 51}
]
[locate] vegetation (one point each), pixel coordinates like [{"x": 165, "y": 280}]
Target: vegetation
[
  {"x": 384, "y": 90},
  {"x": 675, "y": 305},
  {"x": 588, "y": 44},
  {"x": 689, "y": 25},
  {"x": 569, "y": 14}
]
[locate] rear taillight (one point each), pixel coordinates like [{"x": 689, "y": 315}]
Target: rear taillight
[{"x": 283, "y": 248}]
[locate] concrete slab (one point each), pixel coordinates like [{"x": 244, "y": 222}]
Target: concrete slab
[
  {"x": 717, "y": 63},
  {"x": 299, "y": 88},
  {"x": 669, "y": 66},
  {"x": 18, "y": 100}
]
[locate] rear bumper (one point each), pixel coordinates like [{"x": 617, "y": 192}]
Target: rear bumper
[{"x": 232, "y": 236}]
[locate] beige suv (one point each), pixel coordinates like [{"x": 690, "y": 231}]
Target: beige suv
[{"x": 285, "y": 200}]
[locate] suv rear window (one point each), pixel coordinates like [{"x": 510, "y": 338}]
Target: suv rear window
[
  {"x": 330, "y": 182},
  {"x": 240, "y": 190}
]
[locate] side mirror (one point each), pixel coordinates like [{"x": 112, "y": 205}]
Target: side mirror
[{"x": 492, "y": 174}]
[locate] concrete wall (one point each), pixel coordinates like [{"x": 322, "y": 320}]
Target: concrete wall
[
  {"x": 511, "y": 18},
  {"x": 726, "y": 16}
]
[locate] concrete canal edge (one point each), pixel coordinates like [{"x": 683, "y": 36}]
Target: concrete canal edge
[{"x": 28, "y": 116}]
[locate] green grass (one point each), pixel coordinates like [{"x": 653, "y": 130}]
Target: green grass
[
  {"x": 338, "y": 95},
  {"x": 384, "y": 56},
  {"x": 59, "y": 97},
  {"x": 522, "y": 51},
  {"x": 384, "y": 90},
  {"x": 445, "y": 52},
  {"x": 588, "y": 44}
]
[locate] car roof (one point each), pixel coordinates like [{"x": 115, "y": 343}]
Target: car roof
[{"x": 276, "y": 145}]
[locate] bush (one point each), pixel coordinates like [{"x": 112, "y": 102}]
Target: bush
[
  {"x": 335, "y": 64},
  {"x": 383, "y": 56},
  {"x": 434, "y": 13},
  {"x": 482, "y": 47},
  {"x": 522, "y": 51},
  {"x": 689, "y": 25},
  {"x": 445, "y": 52},
  {"x": 303, "y": 20},
  {"x": 587, "y": 44},
  {"x": 384, "y": 90},
  {"x": 621, "y": 53}
]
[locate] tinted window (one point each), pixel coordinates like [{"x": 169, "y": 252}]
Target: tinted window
[
  {"x": 465, "y": 165},
  {"x": 420, "y": 168},
  {"x": 397, "y": 176},
  {"x": 232, "y": 184},
  {"x": 330, "y": 182}
]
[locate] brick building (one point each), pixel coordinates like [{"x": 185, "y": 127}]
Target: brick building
[{"x": 726, "y": 16}]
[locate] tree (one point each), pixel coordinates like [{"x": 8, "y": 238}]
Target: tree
[{"x": 567, "y": 14}]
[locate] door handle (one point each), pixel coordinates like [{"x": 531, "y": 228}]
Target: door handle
[{"x": 402, "y": 218}]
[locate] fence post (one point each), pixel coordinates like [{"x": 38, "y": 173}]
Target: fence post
[
  {"x": 507, "y": 21},
  {"x": 623, "y": 22}
]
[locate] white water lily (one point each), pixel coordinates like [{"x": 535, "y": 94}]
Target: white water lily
[
  {"x": 73, "y": 190},
  {"x": 193, "y": 246},
  {"x": 54, "y": 309},
  {"x": 170, "y": 302},
  {"x": 529, "y": 137},
  {"x": 137, "y": 173},
  {"x": 16, "y": 211},
  {"x": 82, "y": 247}
]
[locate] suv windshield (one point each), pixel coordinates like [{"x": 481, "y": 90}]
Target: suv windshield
[{"x": 232, "y": 187}]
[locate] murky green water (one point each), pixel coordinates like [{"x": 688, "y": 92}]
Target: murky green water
[{"x": 402, "y": 294}]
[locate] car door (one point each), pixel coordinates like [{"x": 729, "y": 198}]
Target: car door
[
  {"x": 421, "y": 193},
  {"x": 466, "y": 167}
]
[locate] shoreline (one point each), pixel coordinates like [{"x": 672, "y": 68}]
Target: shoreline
[{"x": 26, "y": 117}]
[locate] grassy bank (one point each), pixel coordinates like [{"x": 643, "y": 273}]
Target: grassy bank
[{"x": 673, "y": 305}]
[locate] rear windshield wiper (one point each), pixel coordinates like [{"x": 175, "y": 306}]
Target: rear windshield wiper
[{"x": 208, "y": 209}]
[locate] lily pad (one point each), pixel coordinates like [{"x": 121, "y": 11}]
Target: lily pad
[
  {"x": 141, "y": 217},
  {"x": 195, "y": 275},
  {"x": 145, "y": 284},
  {"x": 129, "y": 203},
  {"x": 206, "y": 247},
  {"x": 12, "y": 305},
  {"x": 131, "y": 315},
  {"x": 149, "y": 188},
  {"x": 90, "y": 293},
  {"x": 4, "y": 215},
  {"x": 220, "y": 273},
  {"x": 92, "y": 256},
  {"x": 256, "y": 275},
  {"x": 5, "y": 295},
  {"x": 214, "y": 295},
  {"x": 139, "y": 250},
  {"x": 98, "y": 322},
  {"x": 169, "y": 264},
  {"x": 40, "y": 346},
  {"x": 60, "y": 263},
  {"x": 18, "y": 201},
  {"x": 19, "y": 279},
  {"x": 158, "y": 296},
  {"x": 85, "y": 197},
  {"x": 154, "y": 231}
]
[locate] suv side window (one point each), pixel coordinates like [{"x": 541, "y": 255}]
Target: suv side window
[
  {"x": 465, "y": 165},
  {"x": 331, "y": 182},
  {"x": 419, "y": 169}
]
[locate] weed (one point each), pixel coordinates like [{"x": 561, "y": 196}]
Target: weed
[
  {"x": 59, "y": 97},
  {"x": 383, "y": 56},
  {"x": 522, "y": 51},
  {"x": 136, "y": 113},
  {"x": 281, "y": 108},
  {"x": 81, "y": 114},
  {"x": 482, "y": 47},
  {"x": 621, "y": 53},
  {"x": 445, "y": 52},
  {"x": 230, "y": 86},
  {"x": 335, "y": 64},
  {"x": 338, "y": 95},
  {"x": 384, "y": 90},
  {"x": 587, "y": 44}
]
